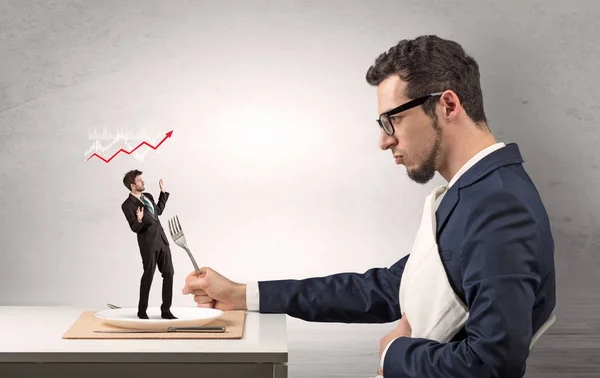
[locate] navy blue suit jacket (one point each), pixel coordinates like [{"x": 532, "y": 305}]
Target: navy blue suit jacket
[{"x": 497, "y": 248}]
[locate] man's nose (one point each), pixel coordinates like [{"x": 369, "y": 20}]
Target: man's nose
[{"x": 385, "y": 141}]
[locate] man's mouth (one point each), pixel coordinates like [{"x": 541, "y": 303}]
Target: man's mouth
[{"x": 398, "y": 160}]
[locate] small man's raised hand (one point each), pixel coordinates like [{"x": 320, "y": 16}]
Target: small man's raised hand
[{"x": 162, "y": 186}]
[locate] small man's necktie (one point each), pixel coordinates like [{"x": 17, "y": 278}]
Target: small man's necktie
[{"x": 148, "y": 205}]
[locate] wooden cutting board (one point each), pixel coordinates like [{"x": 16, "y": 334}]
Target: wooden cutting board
[{"x": 87, "y": 323}]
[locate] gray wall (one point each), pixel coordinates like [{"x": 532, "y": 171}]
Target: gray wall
[{"x": 274, "y": 156}]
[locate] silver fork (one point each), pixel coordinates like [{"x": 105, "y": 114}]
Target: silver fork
[{"x": 179, "y": 239}]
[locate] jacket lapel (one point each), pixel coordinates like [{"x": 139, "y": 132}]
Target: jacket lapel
[
  {"x": 508, "y": 155},
  {"x": 446, "y": 206}
]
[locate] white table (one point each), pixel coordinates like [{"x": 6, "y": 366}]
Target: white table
[{"x": 31, "y": 345}]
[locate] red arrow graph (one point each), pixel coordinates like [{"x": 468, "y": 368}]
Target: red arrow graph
[{"x": 167, "y": 135}]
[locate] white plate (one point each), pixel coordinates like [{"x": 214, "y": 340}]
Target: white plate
[{"x": 186, "y": 317}]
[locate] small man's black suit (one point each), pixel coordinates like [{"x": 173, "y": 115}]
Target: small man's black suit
[{"x": 154, "y": 248}]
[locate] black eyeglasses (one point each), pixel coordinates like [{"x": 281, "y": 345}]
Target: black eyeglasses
[{"x": 385, "y": 120}]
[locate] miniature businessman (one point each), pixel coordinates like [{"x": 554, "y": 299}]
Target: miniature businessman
[{"x": 142, "y": 214}]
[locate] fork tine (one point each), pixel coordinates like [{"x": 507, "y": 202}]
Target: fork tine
[
  {"x": 170, "y": 228},
  {"x": 175, "y": 226},
  {"x": 175, "y": 230},
  {"x": 178, "y": 224}
]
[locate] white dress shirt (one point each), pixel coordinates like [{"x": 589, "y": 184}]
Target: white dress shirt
[{"x": 253, "y": 296}]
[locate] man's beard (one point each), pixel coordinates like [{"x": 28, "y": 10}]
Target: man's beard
[{"x": 426, "y": 170}]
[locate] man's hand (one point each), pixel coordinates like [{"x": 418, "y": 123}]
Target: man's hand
[
  {"x": 140, "y": 213},
  {"x": 162, "y": 187},
  {"x": 210, "y": 289},
  {"x": 402, "y": 330}
]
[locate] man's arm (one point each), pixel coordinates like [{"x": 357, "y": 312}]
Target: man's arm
[
  {"x": 162, "y": 202},
  {"x": 135, "y": 225},
  {"x": 500, "y": 258},
  {"x": 370, "y": 297}
]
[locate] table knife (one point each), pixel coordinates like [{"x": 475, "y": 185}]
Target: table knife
[{"x": 210, "y": 329}]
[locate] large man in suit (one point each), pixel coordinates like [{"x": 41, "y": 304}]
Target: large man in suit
[
  {"x": 492, "y": 231},
  {"x": 142, "y": 214}
]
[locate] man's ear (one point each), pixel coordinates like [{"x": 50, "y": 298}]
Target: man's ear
[{"x": 451, "y": 105}]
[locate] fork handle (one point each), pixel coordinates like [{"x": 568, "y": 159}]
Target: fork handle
[{"x": 193, "y": 259}]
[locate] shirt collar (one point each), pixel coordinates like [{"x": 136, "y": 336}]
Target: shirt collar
[{"x": 480, "y": 155}]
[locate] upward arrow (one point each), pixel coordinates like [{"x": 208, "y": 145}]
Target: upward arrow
[{"x": 167, "y": 135}]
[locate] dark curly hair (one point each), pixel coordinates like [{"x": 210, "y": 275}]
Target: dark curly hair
[
  {"x": 431, "y": 64},
  {"x": 129, "y": 178}
]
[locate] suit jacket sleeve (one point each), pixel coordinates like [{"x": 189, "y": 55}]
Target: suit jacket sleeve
[
  {"x": 501, "y": 273},
  {"x": 370, "y": 297},
  {"x": 131, "y": 216},
  {"x": 162, "y": 202}
]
